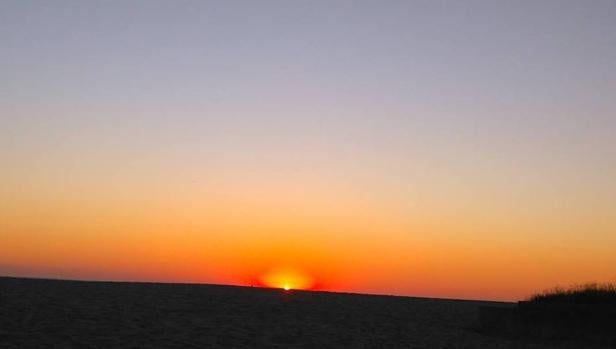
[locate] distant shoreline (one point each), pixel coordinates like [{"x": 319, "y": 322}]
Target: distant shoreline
[{"x": 249, "y": 287}]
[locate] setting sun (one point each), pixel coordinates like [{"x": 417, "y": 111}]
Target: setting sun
[{"x": 287, "y": 279}]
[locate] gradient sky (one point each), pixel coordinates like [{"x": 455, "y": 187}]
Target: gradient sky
[{"x": 460, "y": 149}]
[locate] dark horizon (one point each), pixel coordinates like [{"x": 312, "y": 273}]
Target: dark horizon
[{"x": 250, "y": 286}]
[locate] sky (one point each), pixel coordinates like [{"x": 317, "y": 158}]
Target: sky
[{"x": 458, "y": 149}]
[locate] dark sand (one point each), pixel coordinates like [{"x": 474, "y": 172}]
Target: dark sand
[{"x": 71, "y": 314}]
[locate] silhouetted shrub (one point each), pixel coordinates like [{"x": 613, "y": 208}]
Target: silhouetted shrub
[
  {"x": 598, "y": 294},
  {"x": 584, "y": 312}
]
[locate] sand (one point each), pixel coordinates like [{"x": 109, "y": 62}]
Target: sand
[{"x": 74, "y": 314}]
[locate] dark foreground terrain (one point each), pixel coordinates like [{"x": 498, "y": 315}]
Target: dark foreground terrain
[{"x": 71, "y": 314}]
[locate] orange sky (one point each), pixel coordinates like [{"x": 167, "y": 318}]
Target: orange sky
[{"x": 316, "y": 235}]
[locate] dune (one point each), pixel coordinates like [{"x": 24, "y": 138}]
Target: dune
[{"x": 38, "y": 313}]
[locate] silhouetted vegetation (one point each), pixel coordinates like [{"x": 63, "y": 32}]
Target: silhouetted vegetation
[
  {"x": 581, "y": 313},
  {"x": 599, "y": 294}
]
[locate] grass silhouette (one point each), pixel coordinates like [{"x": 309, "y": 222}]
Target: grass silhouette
[
  {"x": 582, "y": 313},
  {"x": 591, "y": 294}
]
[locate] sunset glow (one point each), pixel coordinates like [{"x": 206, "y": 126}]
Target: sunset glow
[{"x": 287, "y": 279}]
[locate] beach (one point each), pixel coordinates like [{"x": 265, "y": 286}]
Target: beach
[{"x": 38, "y": 313}]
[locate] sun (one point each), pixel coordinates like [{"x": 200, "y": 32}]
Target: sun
[{"x": 287, "y": 279}]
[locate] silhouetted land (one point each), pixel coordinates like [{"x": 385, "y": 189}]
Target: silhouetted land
[{"x": 71, "y": 314}]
